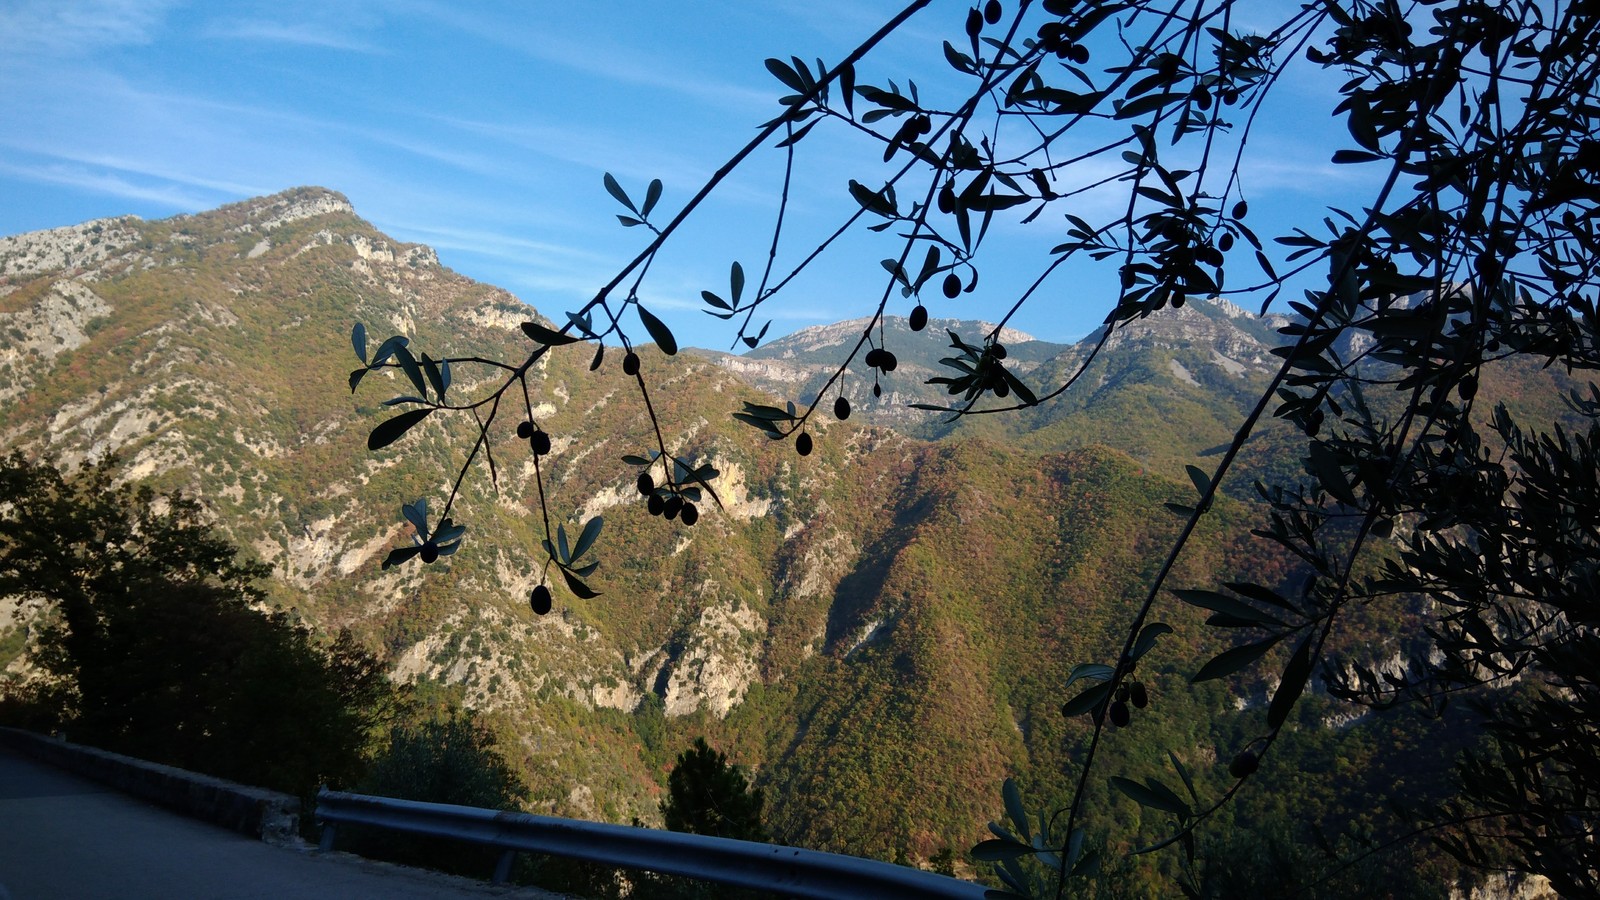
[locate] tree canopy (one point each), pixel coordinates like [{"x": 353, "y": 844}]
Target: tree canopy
[
  {"x": 155, "y": 642},
  {"x": 1475, "y": 250}
]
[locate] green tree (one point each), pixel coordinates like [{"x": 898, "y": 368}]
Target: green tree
[
  {"x": 706, "y": 795},
  {"x": 157, "y": 646},
  {"x": 438, "y": 755},
  {"x": 1474, "y": 252}
]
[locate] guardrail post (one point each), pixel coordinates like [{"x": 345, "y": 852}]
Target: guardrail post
[
  {"x": 326, "y": 843},
  {"x": 502, "y": 869}
]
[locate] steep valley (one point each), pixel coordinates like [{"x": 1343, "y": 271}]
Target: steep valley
[{"x": 881, "y": 629}]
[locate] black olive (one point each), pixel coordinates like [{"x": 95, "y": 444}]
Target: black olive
[{"x": 1244, "y": 765}]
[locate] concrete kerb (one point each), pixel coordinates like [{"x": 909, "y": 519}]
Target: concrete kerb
[{"x": 255, "y": 812}]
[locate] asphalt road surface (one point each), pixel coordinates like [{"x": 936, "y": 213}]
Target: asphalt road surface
[{"x": 65, "y": 838}]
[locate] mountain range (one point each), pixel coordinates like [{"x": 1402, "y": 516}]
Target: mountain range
[{"x": 881, "y": 630}]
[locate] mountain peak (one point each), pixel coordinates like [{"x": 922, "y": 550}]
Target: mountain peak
[{"x": 293, "y": 205}]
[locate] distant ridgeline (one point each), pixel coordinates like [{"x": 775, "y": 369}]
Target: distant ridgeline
[{"x": 881, "y": 630}]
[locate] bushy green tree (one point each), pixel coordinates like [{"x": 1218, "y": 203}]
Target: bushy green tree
[
  {"x": 706, "y": 795},
  {"x": 156, "y": 643}
]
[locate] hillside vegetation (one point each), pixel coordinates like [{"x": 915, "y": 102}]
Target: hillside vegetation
[{"x": 880, "y": 631}]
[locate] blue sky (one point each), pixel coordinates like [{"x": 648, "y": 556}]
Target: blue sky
[{"x": 483, "y": 129}]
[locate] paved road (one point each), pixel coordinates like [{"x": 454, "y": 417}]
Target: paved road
[{"x": 64, "y": 838}]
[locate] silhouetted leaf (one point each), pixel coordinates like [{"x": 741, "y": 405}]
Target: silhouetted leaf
[
  {"x": 652, "y": 195},
  {"x": 1183, "y": 773},
  {"x": 616, "y": 191},
  {"x": 1295, "y": 675},
  {"x": 788, "y": 76},
  {"x": 1092, "y": 671},
  {"x": 408, "y": 365},
  {"x": 586, "y": 539},
  {"x": 1345, "y": 157},
  {"x": 390, "y": 430},
  {"x": 1230, "y": 661},
  {"x": 1152, "y": 794},
  {"x": 1147, "y": 638},
  {"x": 358, "y": 339},
  {"x": 449, "y": 531},
  {"x": 400, "y": 554},
  {"x": 1222, "y": 603},
  {"x": 996, "y": 849},
  {"x": 1014, "y": 809},
  {"x": 387, "y": 348},
  {"x": 577, "y": 587},
  {"x": 417, "y": 514},
  {"x": 548, "y": 337},
  {"x": 1087, "y": 700},
  {"x": 435, "y": 376},
  {"x": 658, "y": 332}
]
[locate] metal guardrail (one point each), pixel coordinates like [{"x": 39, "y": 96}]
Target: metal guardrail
[{"x": 763, "y": 867}]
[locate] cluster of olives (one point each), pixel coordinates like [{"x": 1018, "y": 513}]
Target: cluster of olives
[
  {"x": 1129, "y": 692},
  {"x": 538, "y": 439},
  {"x": 1053, "y": 38},
  {"x": 914, "y": 127},
  {"x": 881, "y": 359},
  {"x": 671, "y": 506}
]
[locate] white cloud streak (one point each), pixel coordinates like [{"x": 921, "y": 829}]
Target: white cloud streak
[
  {"x": 77, "y": 27},
  {"x": 298, "y": 34}
]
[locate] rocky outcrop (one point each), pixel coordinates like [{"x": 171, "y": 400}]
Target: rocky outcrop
[
  {"x": 71, "y": 247},
  {"x": 292, "y": 206},
  {"x": 718, "y": 661}
]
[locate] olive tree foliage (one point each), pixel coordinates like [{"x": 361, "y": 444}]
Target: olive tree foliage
[{"x": 1476, "y": 246}]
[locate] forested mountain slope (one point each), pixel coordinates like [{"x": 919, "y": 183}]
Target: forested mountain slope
[{"x": 882, "y": 629}]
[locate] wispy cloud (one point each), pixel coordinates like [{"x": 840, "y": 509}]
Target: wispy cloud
[
  {"x": 594, "y": 55},
  {"x": 78, "y": 28},
  {"x": 498, "y": 243},
  {"x": 299, "y": 34},
  {"x": 176, "y": 196}
]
